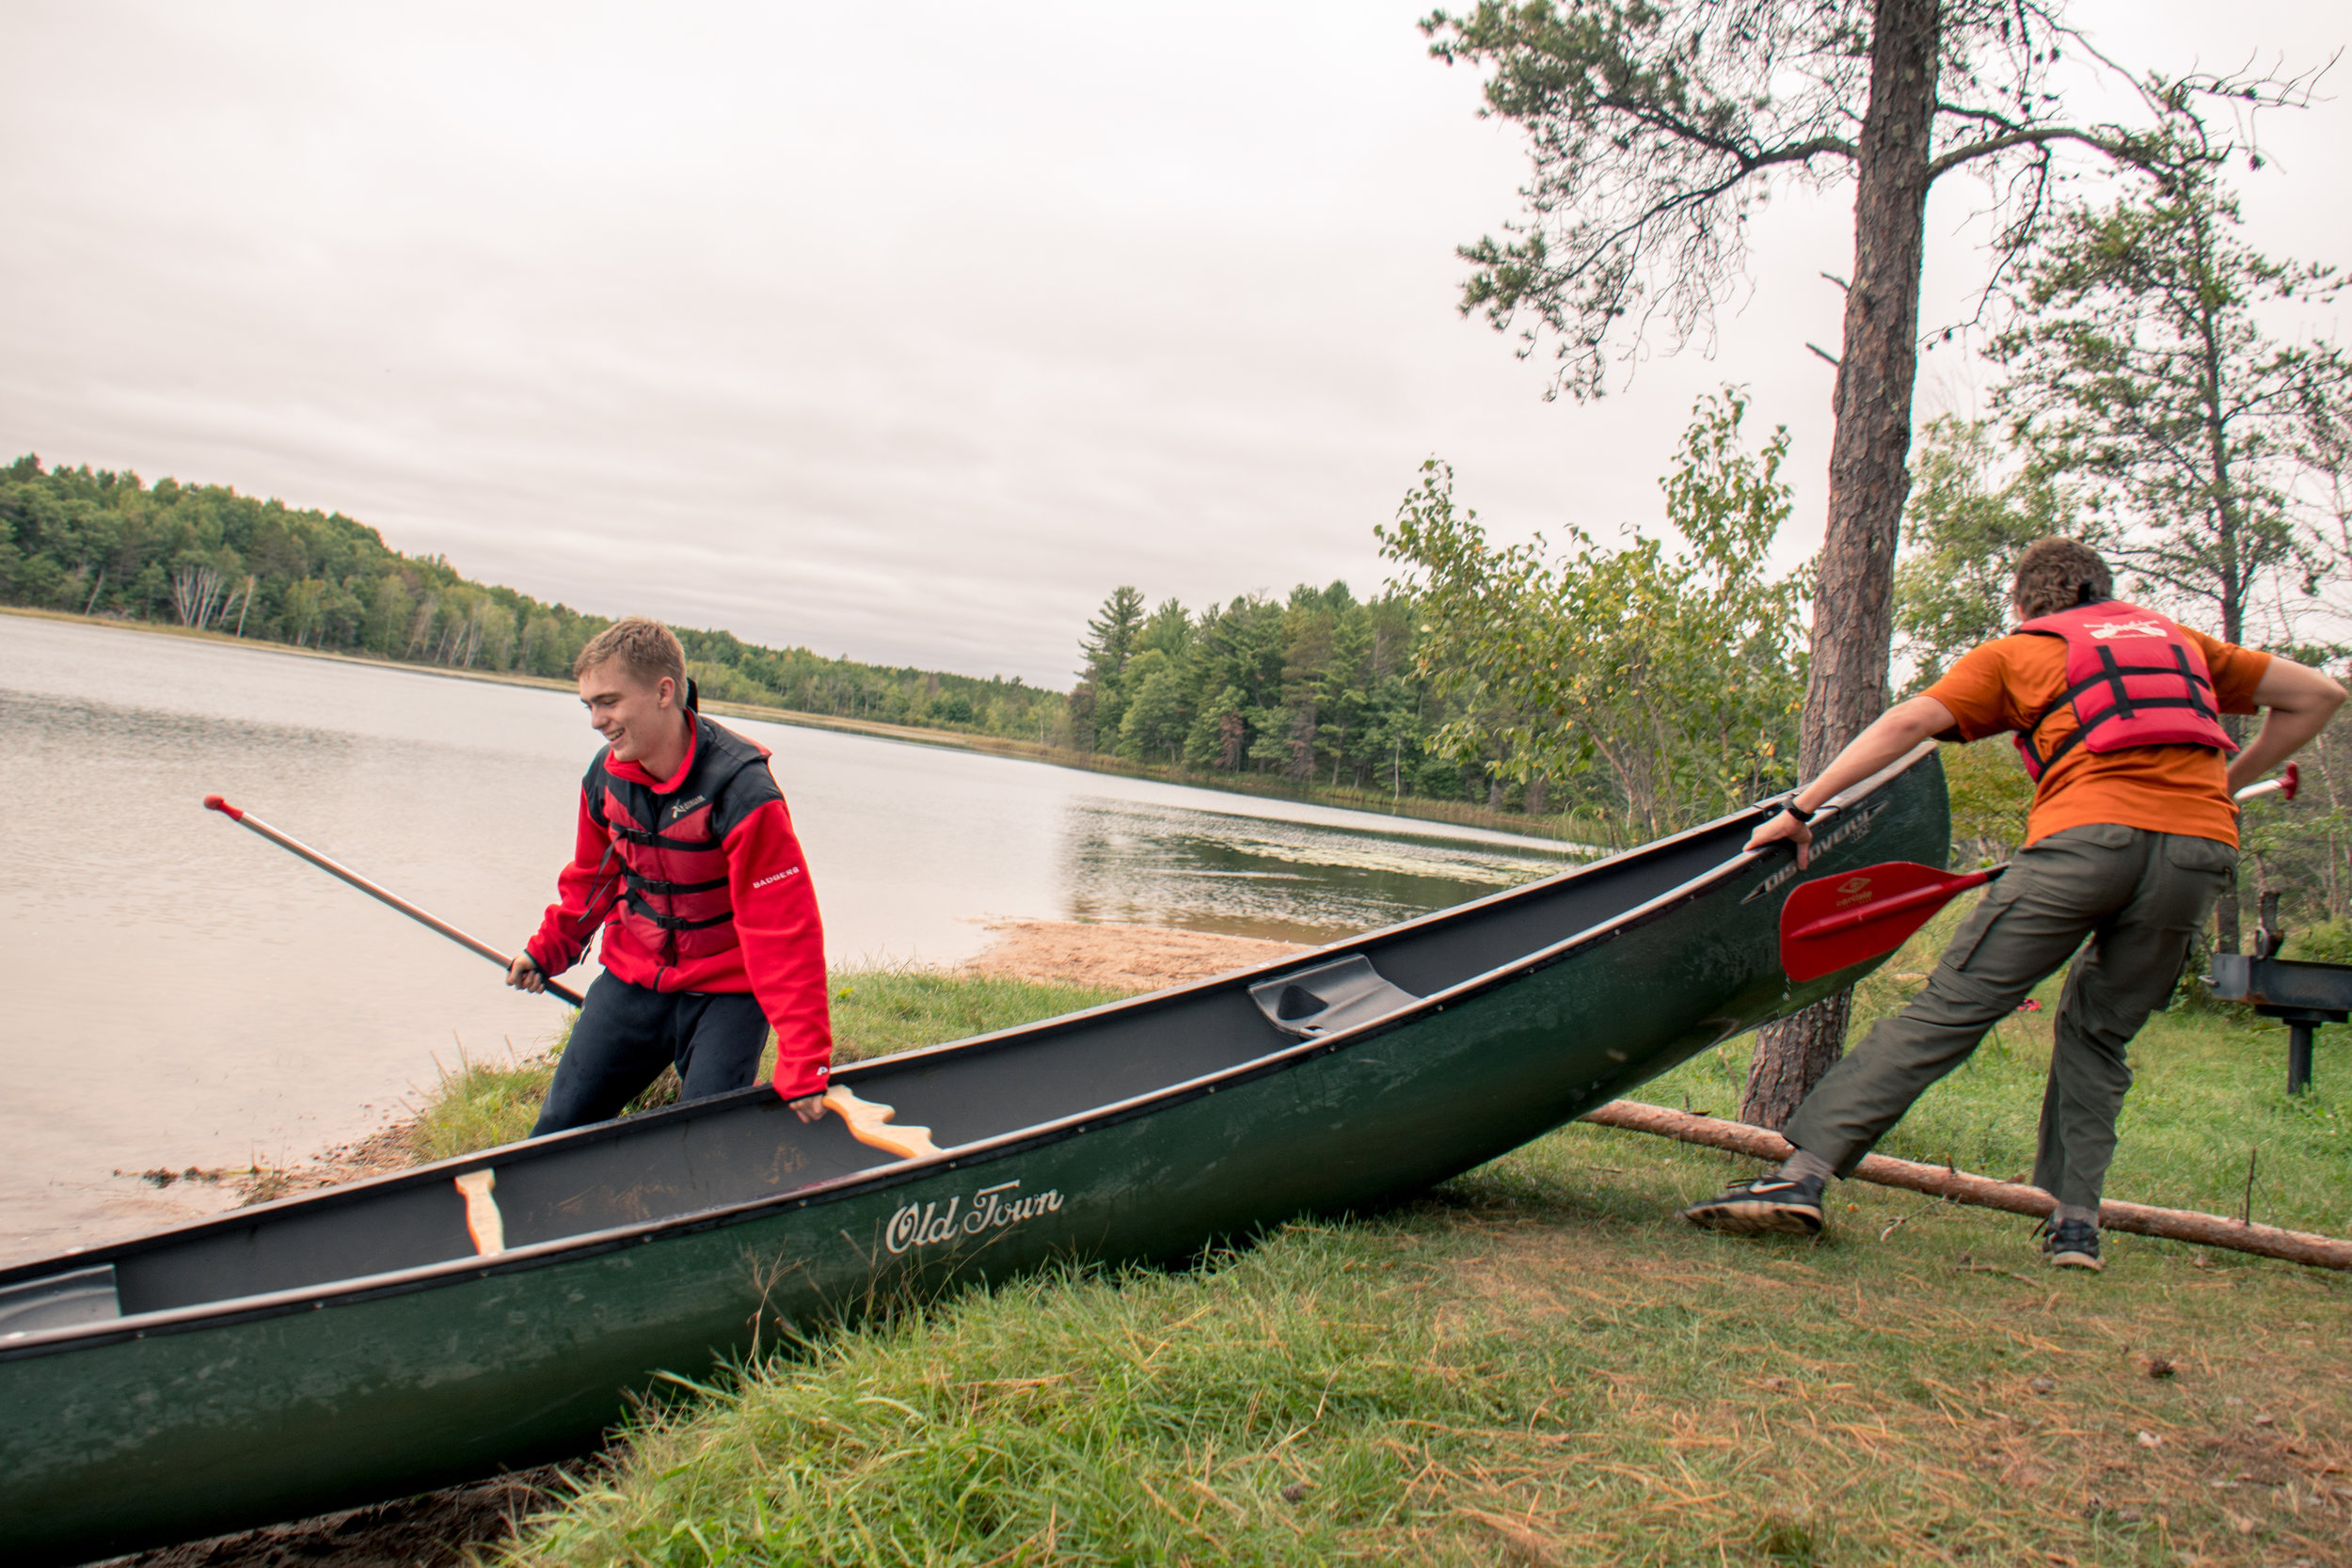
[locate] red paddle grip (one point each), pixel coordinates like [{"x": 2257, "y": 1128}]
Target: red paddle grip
[{"x": 213, "y": 802}]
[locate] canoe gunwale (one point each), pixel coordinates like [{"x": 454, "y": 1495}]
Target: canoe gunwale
[{"x": 588, "y": 1244}]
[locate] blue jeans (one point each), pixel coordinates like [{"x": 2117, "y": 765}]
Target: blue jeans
[{"x": 627, "y": 1034}]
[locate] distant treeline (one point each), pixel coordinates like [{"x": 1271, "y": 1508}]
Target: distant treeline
[
  {"x": 1319, "y": 689},
  {"x": 104, "y": 544}
]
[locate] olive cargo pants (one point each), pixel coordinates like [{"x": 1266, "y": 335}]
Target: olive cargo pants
[{"x": 2137, "y": 896}]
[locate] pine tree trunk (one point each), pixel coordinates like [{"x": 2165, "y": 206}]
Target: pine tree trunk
[{"x": 1854, "y": 602}]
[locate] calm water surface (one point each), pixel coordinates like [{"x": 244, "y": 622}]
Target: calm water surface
[{"x": 177, "y": 992}]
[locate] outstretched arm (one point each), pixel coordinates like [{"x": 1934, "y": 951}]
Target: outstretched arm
[
  {"x": 2299, "y": 702},
  {"x": 1890, "y": 737},
  {"x": 584, "y": 890}
]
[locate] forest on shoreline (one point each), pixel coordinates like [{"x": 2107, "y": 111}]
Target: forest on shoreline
[{"x": 104, "y": 544}]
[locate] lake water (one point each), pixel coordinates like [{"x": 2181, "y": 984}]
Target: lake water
[{"x": 180, "y": 992}]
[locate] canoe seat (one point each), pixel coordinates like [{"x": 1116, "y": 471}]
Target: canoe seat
[{"x": 1329, "y": 997}]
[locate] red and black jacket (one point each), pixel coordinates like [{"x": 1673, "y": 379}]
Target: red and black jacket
[
  {"x": 2135, "y": 680},
  {"x": 699, "y": 884}
]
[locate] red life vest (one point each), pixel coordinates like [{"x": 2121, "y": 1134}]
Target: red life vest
[
  {"x": 672, "y": 845},
  {"x": 2135, "y": 680}
]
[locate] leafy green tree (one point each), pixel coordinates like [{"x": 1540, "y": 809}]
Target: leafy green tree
[
  {"x": 1656, "y": 128},
  {"x": 1680, "y": 677},
  {"x": 1963, "y": 531},
  {"x": 1219, "y": 736},
  {"x": 1158, "y": 714},
  {"x": 1168, "y": 629},
  {"x": 2140, "y": 370},
  {"x": 1990, "y": 797},
  {"x": 1109, "y": 643}
]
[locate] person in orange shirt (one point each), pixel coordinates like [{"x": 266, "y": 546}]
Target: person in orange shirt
[{"x": 2131, "y": 838}]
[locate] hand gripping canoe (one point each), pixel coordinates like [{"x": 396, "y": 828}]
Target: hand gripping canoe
[
  {"x": 382, "y": 894},
  {"x": 1834, "y": 923}
]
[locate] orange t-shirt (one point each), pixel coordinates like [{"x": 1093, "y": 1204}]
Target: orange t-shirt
[{"x": 2001, "y": 685}]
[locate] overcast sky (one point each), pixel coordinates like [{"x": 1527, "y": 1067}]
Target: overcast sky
[{"x": 904, "y": 332}]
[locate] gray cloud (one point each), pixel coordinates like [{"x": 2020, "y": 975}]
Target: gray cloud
[{"x": 902, "y": 334}]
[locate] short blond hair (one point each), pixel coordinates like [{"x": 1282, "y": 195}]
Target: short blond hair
[
  {"x": 647, "y": 650},
  {"x": 2057, "y": 574}
]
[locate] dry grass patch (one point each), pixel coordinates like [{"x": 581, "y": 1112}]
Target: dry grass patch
[{"x": 1936, "y": 1395}]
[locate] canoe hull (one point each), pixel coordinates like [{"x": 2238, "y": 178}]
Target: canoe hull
[{"x": 179, "y": 1425}]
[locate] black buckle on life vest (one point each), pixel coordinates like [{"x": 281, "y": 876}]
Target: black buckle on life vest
[
  {"x": 674, "y": 923},
  {"x": 671, "y": 890},
  {"x": 659, "y": 841}
]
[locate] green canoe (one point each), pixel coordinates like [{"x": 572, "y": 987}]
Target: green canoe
[{"x": 378, "y": 1340}]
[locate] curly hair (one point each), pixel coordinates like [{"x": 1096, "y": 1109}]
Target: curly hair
[
  {"x": 647, "y": 650},
  {"x": 2059, "y": 574}
]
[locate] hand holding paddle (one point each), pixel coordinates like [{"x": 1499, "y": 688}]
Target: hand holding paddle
[
  {"x": 335, "y": 868},
  {"x": 1834, "y": 923}
]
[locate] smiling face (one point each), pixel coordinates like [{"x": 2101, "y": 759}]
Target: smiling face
[{"x": 639, "y": 720}]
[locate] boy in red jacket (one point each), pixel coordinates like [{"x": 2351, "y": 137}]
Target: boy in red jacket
[{"x": 687, "y": 859}]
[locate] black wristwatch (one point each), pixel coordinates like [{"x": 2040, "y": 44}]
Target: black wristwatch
[{"x": 1802, "y": 813}]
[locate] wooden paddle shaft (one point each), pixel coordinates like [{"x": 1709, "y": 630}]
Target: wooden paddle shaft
[
  {"x": 2139, "y": 1219},
  {"x": 382, "y": 894}
]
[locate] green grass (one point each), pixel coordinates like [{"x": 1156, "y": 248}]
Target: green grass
[
  {"x": 876, "y": 1012},
  {"x": 2210, "y": 1095},
  {"x": 1540, "y": 1363},
  {"x": 880, "y": 1012},
  {"x": 481, "y": 1104}
]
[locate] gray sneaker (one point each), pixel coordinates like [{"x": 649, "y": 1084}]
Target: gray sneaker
[
  {"x": 2071, "y": 1244},
  {"x": 1764, "y": 1206}
]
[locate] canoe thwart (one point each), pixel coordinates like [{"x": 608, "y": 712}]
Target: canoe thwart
[
  {"x": 1329, "y": 997},
  {"x": 60, "y": 1300},
  {"x": 870, "y": 1124},
  {"x": 483, "y": 1222}
]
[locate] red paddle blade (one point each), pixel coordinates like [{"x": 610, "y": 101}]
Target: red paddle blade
[{"x": 1834, "y": 923}]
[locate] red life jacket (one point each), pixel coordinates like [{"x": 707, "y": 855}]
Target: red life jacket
[
  {"x": 672, "y": 846},
  {"x": 2135, "y": 680}
]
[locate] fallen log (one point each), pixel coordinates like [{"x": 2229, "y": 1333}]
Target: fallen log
[{"x": 2138, "y": 1219}]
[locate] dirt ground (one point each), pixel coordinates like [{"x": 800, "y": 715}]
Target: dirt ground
[
  {"x": 1125, "y": 958},
  {"x": 439, "y": 1528},
  {"x": 434, "y": 1530}
]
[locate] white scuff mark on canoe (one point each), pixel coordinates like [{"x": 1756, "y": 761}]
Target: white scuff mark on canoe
[{"x": 483, "y": 1222}]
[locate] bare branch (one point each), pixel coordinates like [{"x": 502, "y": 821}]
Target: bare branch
[{"x": 2112, "y": 143}]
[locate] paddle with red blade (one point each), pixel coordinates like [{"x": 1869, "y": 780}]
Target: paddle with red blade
[{"x": 1834, "y": 923}]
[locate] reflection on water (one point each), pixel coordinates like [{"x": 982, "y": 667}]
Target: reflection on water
[
  {"x": 1208, "y": 871},
  {"x": 181, "y": 993}
]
